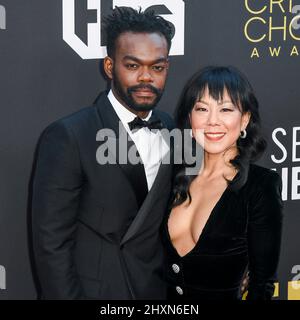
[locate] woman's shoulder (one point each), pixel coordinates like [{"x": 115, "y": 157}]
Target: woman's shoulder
[
  {"x": 264, "y": 193},
  {"x": 261, "y": 177},
  {"x": 263, "y": 183}
]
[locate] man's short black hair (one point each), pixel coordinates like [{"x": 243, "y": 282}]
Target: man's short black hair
[{"x": 126, "y": 19}]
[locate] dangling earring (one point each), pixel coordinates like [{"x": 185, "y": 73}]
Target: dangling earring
[
  {"x": 243, "y": 134},
  {"x": 191, "y": 133}
]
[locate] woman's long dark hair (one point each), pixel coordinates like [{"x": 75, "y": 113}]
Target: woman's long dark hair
[{"x": 216, "y": 79}]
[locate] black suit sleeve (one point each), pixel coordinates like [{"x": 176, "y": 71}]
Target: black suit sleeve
[
  {"x": 56, "y": 189},
  {"x": 264, "y": 237}
]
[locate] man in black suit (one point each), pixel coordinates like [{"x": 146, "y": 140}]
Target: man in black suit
[{"x": 96, "y": 226}]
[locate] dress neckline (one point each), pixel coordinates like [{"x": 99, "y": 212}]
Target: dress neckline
[{"x": 204, "y": 230}]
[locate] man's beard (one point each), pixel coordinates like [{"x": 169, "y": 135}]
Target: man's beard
[{"x": 127, "y": 98}]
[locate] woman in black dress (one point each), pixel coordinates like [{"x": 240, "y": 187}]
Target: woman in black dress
[{"x": 226, "y": 219}]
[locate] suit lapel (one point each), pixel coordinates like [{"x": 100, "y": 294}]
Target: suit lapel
[
  {"x": 120, "y": 146},
  {"x": 164, "y": 173},
  {"x": 155, "y": 192},
  {"x": 134, "y": 172}
]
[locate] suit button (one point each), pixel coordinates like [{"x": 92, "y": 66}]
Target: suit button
[
  {"x": 179, "y": 290},
  {"x": 175, "y": 268}
]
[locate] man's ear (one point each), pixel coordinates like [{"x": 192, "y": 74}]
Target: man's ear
[{"x": 108, "y": 67}]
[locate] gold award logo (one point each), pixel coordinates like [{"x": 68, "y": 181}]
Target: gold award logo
[{"x": 273, "y": 27}]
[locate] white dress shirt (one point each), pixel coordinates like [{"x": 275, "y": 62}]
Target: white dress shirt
[{"x": 150, "y": 145}]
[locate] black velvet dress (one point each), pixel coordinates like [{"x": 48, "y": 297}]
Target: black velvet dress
[{"x": 243, "y": 231}]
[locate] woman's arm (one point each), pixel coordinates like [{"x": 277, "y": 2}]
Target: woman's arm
[{"x": 264, "y": 237}]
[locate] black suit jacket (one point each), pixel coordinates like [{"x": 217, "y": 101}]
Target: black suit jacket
[{"x": 92, "y": 235}]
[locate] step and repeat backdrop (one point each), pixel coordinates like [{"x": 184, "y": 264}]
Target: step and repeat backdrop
[{"x": 50, "y": 53}]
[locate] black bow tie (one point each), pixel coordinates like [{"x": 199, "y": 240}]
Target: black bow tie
[{"x": 138, "y": 123}]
